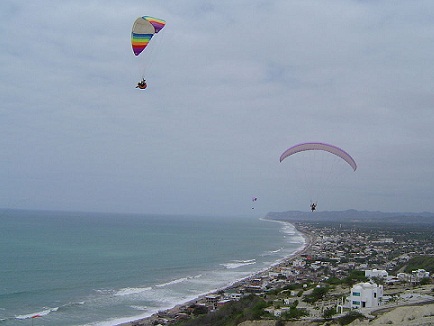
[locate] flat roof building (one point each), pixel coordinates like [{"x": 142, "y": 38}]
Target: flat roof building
[{"x": 365, "y": 295}]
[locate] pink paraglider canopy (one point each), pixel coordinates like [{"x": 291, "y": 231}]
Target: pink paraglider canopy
[{"x": 323, "y": 147}]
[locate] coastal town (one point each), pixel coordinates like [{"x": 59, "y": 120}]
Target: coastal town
[{"x": 345, "y": 273}]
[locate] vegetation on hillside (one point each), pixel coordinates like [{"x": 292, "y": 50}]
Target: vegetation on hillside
[
  {"x": 248, "y": 308},
  {"x": 318, "y": 293},
  {"x": 420, "y": 262},
  {"x": 350, "y": 317}
]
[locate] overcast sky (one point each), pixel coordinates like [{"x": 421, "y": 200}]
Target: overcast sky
[{"x": 232, "y": 84}]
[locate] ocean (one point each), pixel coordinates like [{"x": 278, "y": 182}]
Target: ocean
[{"x": 74, "y": 268}]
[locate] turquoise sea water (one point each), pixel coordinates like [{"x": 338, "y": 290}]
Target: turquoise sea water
[{"x": 103, "y": 269}]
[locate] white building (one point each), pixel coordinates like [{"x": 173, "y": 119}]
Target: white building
[
  {"x": 235, "y": 296},
  {"x": 272, "y": 274},
  {"x": 212, "y": 299},
  {"x": 405, "y": 277},
  {"x": 288, "y": 272},
  {"x": 299, "y": 263},
  {"x": 383, "y": 240},
  {"x": 365, "y": 295},
  {"x": 380, "y": 273},
  {"x": 277, "y": 312},
  {"x": 419, "y": 274},
  {"x": 415, "y": 276}
]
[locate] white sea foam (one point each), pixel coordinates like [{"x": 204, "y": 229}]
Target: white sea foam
[
  {"x": 179, "y": 280},
  {"x": 245, "y": 261},
  {"x": 239, "y": 263},
  {"x": 39, "y": 313},
  {"x": 301, "y": 241},
  {"x": 130, "y": 291},
  {"x": 141, "y": 308},
  {"x": 104, "y": 291},
  {"x": 276, "y": 252}
]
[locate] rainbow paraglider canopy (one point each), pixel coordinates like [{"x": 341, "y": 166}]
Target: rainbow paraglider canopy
[{"x": 144, "y": 29}]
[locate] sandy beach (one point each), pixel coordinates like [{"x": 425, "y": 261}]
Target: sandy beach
[{"x": 149, "y": 321}]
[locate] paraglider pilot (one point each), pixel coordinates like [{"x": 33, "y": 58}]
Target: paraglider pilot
[
  {"x": 142, "y": 84},
  {"x": 312, "y": 207}
]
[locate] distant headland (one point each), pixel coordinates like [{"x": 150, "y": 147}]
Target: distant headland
[{"x": 353, "y": 216}]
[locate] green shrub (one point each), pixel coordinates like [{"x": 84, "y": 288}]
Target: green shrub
[
  {"x": 350, "y": 317},
  {"x": 317, "y": 294},
  {"x": 425, "y": 281},
  {"x": 329, "y": 312},
  {"x": 295, "y": 313}
]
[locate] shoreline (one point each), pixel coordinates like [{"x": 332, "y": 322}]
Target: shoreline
[{"x": 309, "y": 240}]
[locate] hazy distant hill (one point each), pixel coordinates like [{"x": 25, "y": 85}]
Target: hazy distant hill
[{"x": 354, "y": 216}]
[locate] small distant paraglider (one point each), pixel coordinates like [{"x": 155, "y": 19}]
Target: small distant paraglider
[
  {"x": 313, "y": 207},
  {"x": 253, "y": 200},
  {"x": 144, "y": 28}
]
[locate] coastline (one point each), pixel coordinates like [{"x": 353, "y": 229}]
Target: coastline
[{"x": 309, "y": 240}]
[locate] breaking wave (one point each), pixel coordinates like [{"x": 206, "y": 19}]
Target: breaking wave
[{"x": 239, "y": 263}]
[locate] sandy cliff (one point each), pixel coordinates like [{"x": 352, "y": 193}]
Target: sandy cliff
[{"x": 403, "y": 316}]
